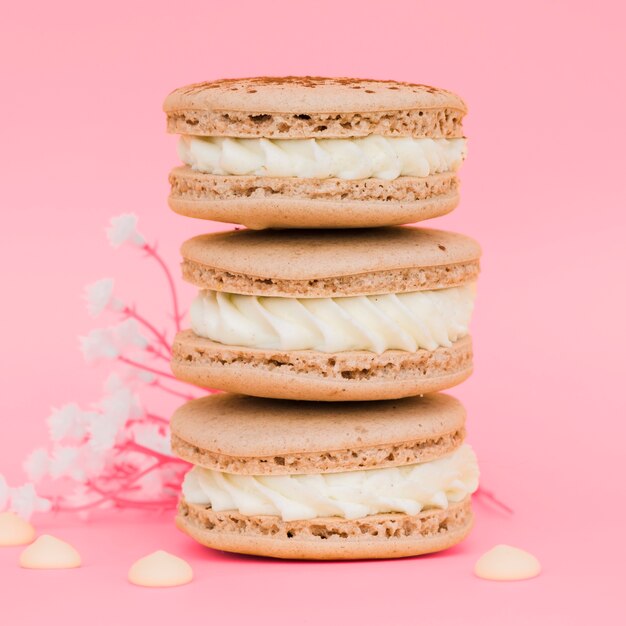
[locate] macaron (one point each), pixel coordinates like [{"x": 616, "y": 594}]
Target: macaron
[
  {"x": 325, "y": 481},
  {"x": 308, "y": 152},
  {"x": 360, "y": 314}
]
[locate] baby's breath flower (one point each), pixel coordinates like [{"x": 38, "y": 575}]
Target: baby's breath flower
[
  {"x": 80, "y": 496},
  {"x": 122, "y": 229},
  {"x": 134, "y": 375},
  {"x": 99, "y": 344},
  {"x": 68, "y": 422},
  {"x": 113, "y": 383},
  {"x": 152, "y": 485},
  {"x": 36, "y": 464},
  {"x": 91, "y": 461},
  {"x": 145, "y": 377},
  {"x": 99, "y": 296},
  {"x": 119, "y": 405},
  {"x": 149, "y": 436},
  {"x": 63, "y": 462},
  {"x": 127, "y": 334},
  {"x": 102, "y": 433},
  {"x": 108, "y": 343},
  {"x": 4, "y": 493},
  {"x": 25, "y": 501}
]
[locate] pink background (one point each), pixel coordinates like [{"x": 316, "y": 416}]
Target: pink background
[{"x": 83, "y": 139}]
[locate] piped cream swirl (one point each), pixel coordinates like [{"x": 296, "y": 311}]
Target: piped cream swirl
[
  {"x": 351, "y": 495},
  {"x": 368, "y": 157},
  {"x": 405, "y": 321}
]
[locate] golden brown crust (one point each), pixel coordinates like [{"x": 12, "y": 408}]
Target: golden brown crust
[
  {"x": 296, "y": 107},
  {"x": 288, "y": 202},
  {"x": 376, "y": 536},
  {"x": 311, "y": 375}
]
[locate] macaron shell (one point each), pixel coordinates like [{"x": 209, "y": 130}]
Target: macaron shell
[
  {"x": 289, "y": 107},
  {"x": 267, "y": 202},
  {"x": 330, "y": 263},
  {"x": 313, "y": 94},
  {"x": 373, "y": 537},
  {"x": 318, "y": 376},
  {"x": 242, "y": 425},
  {"x": 300, "y": 254},
  {"x": 246, "y": 435}
]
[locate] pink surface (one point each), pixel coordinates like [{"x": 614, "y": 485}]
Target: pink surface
[{"x": 543, "y": 191}]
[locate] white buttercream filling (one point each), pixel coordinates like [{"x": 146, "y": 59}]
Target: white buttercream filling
[
  {"x": 408, "y": 489},
  {"x": 368, "y": 157},
  {"x": 404, "y": 321}
]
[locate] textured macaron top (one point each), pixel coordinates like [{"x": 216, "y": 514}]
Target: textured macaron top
[
  {"x": 305, "y": 263},
  {"x": 293, "y": 106},
  {"x": 246, "y": 435}
]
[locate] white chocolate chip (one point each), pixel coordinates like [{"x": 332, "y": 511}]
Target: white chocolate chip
[
  {"x": 507, "y": 563},
  {"x": 160, "y": 569},
  {"x": 48, "y": 552},
  {"x": 15, "y": 531}
]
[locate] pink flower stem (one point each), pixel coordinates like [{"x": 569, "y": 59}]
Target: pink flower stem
[
  {"x": 146, "y": 504},
  {"x": 128, "y": 486},
  {"x": 157, "y": 418},
  {"x": 150, "y": 250},
  {"x": 145, "y": 368},
  {"x": 139, "y": 475},
  {"x": 174, "y": 486},
  {"x": 156, "y": 383},
  {"x": 149, "y": 417},
  {"x": 128, "y": 483},
  {"x": 122, "y": 502},
  {"x": 489, "y": 495},
  {"x": 82, "y": 507},
  {"x": 156, "y": 353},
  {"x": 164, "y": 458},
  {"x": 160, "y": 337}
]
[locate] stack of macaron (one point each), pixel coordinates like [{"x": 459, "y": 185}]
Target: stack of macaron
[{"x": 328, "y": 324}]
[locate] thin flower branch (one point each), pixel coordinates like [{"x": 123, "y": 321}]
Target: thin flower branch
[
  {"x": 156, "y": 372},
  {"x": 145, "y": 368},
  {"x": 152, "y": 251},
  {"x": 159, "y": 336},
  {"x": 157, "y": 354},
  {"x": 159, "y": 385},
  {"x": 139, "y": 475},
  {"x": 491, "y": 497},
  {"x": 164, "y": 458},
  {"x": 158, "y": 419},
  {"x": 154, "y": 505}
]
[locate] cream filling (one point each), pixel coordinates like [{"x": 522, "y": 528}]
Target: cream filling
[
  {"x": 368, "y": 157},
  {"x": 351, "y": 495},
  {"x": 404, "y": 321}
]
